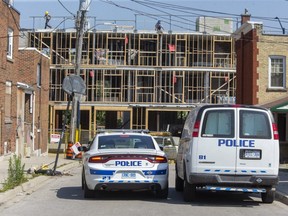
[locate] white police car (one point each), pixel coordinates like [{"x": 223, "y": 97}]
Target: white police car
[{"x": 124, "y": 160}]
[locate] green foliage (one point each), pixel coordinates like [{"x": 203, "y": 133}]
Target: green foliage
[{"x": 15, "y": 174}]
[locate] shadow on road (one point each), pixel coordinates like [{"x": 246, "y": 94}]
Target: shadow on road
[{"x": 204, "y": 198}]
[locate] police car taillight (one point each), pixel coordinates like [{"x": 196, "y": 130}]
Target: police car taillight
[
  {"x": 157, "y": 159},
  {"x": 195, "y": 132},
  {"x": 98, "y": 159},
  {"x": 275, "y": 131}
]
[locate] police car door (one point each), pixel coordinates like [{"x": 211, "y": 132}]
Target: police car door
[
  {"x": 216, "y": 151},
  {"x": 257, "y": 151}
]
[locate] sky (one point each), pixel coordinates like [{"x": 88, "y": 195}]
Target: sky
[{"x": 143, "y": 14}]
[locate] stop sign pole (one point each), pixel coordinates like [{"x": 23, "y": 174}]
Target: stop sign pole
[{"x": 72, "y": 85}]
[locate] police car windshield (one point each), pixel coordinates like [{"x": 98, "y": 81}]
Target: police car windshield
[{"x": 125, "y": 141}]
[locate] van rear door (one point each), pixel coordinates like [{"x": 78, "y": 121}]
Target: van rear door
[
  {"x": 257, "y": 149},
  {"x": 215, "y": 145}
]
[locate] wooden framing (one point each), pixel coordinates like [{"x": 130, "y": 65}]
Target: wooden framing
[{"x": 127, "y": 71}]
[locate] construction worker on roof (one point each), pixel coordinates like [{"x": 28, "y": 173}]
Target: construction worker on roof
[
  {"x": 47, "y": 19},
  {"x": 158, "y": 27}
]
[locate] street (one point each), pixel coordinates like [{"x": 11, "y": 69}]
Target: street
[{"x": 62, "y": 195}]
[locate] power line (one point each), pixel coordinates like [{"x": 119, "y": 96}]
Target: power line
[{"x": 66, "y": 9}]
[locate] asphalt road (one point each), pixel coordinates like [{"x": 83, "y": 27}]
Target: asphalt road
[{"x": 62, "y": 195}]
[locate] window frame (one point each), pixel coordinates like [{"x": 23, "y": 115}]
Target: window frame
[
  {"x": 10, "y": 43},
  {"x": 277, "y": 57},
  {"x": 39, "y": 75}
]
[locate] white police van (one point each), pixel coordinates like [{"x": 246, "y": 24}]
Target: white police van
[{"x": 228, "y": 148}]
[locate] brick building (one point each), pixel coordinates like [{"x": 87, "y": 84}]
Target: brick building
[
  {"x": 262, "y": 73},
  {"x": 23, "y": 90}
]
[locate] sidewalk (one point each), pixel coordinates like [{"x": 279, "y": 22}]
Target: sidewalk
[
  {"x": 34, "y": 162},
  {"x": 282, "y": 187},
  {"x": 64, "y": 164}
]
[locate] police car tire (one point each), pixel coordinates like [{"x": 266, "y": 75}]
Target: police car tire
[
  {"x": 179, "y": 183},
  {"x": 82, "y": 182},
  {"x": 269, "y": 196},
  {"x": 189, "y": 191},
  {"x": 87, "y": 192},
  {"x": 162, "y": 194}
]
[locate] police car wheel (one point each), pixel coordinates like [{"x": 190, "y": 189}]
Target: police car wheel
[
  {"x": 162, "y": 194},
  {"x": 269, "y": 196},
  {"x": 82, "y": 182},
  {"x": 87, "y": 192},
  {"x": 189, "y": 191}
]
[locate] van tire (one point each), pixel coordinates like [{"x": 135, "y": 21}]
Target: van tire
[
  {"x": 269, "y": 196},
  {"x": 179, "y": 183},
  {"x": 189, "y": 191}
]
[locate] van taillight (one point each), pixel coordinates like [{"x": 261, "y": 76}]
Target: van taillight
[
  {"x": 275, "y": 131},
  {"x": 195, "y": 132}
]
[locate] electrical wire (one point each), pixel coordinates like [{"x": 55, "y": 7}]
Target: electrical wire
[{"x": 66, "y": 8}]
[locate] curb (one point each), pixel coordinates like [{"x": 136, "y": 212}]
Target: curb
[
  {"x": 34, "y": 183},
  {"x": 281, "y": 197}
]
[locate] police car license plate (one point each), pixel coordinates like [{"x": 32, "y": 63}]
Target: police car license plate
[
  {"x": 252, "y": 154},
  {"x": 128, "y": 175}
]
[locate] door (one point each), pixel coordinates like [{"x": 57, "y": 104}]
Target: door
[
  {"x": 257, "y": 151},
  {"x": 216, "y": 151}
]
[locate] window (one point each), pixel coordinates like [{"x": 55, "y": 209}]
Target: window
[
  {"x": 277, "y": 68},
  {"x": 8, "y": 95},
  {"x": 39, "y": 75},
  {"x": 10, "y": 43},
  {"x": 218, "y": 123},
  {"x": 125, "y": 141},
  {"x": 254, "y": 125}
]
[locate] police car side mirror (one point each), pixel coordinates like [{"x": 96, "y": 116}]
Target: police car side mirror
[
  {"x": 83, "y": 148},
  {"x": 161, "y": 147}
]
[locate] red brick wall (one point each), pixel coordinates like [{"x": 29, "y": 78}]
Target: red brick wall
[
  {"x": 9, "y": 18},
  {"x": 29, "y": 59},
  {"x": 21, "y": 68},
  {"x": 246, "y": 71}
]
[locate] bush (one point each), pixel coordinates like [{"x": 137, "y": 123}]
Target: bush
[{"x": 15, "y": 174}]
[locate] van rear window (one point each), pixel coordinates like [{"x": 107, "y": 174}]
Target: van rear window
[
  {"x": 254, "y": 124},
  {"x": 218, "y": 123}
]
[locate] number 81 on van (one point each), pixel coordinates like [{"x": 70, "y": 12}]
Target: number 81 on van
[{"x": 234, "y": 143}]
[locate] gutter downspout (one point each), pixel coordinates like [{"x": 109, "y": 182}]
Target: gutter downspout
[{"x": 33, "y": 122}]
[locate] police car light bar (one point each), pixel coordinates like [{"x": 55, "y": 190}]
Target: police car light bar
[{"x": 123, "y": 131}]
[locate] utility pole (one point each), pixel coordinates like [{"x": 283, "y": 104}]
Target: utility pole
[{"x": 80, "y": 28}]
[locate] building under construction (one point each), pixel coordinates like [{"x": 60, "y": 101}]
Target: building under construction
[{"x": 137, "y": 79}]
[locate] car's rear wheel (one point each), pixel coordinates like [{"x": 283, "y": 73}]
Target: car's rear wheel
[
  {"x": 87, "y": 192},
  {"x": 162, "y": 193},
  {"x": 82, "y": 182},
  {"x": 189, "y": 191},
  {"x": 269, "y": 196}
]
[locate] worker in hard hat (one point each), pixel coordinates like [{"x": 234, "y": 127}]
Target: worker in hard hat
[
  {"x": 158, "y": 27},
  {"x": 47, "y": 19}
]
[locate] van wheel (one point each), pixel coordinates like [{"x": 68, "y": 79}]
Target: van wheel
[
  {"x": 179, "y": 183},
  {"x": 189, "y": 192},
  {"x": 269, "y": 196}
]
